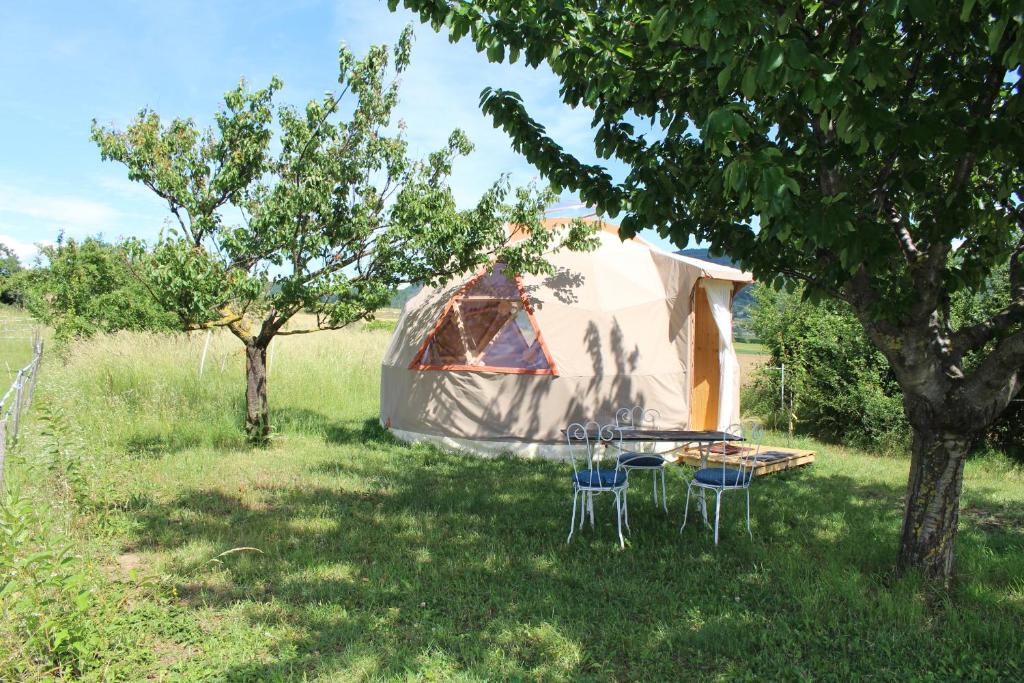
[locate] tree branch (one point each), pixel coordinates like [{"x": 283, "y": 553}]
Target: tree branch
[
  {"x": 226, "y": 320},
  {"x": 976, "y": 336},
  {"x": 982, "y": 109},
  {"x": 903, "y": 236},
  {"x": 998, "y": 379},
  {"x": 325, "y": 328}
]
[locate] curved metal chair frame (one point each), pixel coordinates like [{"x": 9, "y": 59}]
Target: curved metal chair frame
[
  {"x": 740, "y": 477},
  {"x": 633, "y": 418},
  {"x": 584, "y": 439}
]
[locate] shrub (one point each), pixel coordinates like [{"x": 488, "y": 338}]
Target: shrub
[
  {"x": 46, "y": 603},
  {"x": 838, "y": 386},
  {"x": 89, "y": 287}
]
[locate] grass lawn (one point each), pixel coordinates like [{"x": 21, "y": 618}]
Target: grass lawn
[{"x": 377, "y": 560}]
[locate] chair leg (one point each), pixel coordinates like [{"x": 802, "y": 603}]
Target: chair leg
[
  {"x": 664, "y": 499},
  {"x": 572, "y": 524},
  {"x": 749, "y": 532},
  {"x": 591, "y": 505},
  {"x": 686, "y": 510},
  {"x": 618, "y": 517},
  {"x": 583, "y": 508},
  {"x": 704, "y": 507},
  {"x": 718, "y": 510},
  {"x": 626, "y": 508}
]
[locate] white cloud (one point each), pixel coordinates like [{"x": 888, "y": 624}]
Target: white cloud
[
  {"x": 121, "y": 187},
  {"x": 76, "y": 215},
  {"x": 440, "y": 91},
  {"x": 25, "y": 251}
]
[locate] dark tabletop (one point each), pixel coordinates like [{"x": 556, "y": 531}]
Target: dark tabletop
[{"x": 672, "y": 435}]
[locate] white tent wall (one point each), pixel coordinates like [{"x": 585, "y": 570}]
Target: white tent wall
[{"x": 618, "y": 325}]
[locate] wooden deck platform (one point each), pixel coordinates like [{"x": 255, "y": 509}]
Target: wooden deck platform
[{"x": 770, "y": 459}]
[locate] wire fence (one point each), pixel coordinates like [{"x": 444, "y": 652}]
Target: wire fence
[{"x": 16, "y": 401}]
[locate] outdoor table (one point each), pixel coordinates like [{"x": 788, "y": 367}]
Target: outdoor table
[{"x": 703, "y": 438}]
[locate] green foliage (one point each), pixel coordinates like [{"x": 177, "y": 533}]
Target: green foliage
[
  {"x": 46, "y": 601},
  {"x": 90, "y": 287},
  {"x": 373, "y": 325},
  {"x": 335, "y": 215},
  {"x": 803, "y": 115},
  {"x": 10, "y": 266},
  {"x": 838, "y": 387}
]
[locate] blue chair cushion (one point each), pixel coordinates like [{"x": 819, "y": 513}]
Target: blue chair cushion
[
  {"x": 717, "y": 476},
  {"x": 599, "y": 478},
  {"x": 641, "y": 460}
]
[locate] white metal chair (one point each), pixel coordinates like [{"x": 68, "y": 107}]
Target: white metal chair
[
  {"x": 724, "y": 477},
  {"x": 638, "y": 418},
  {"x": 589, "y": 480}
]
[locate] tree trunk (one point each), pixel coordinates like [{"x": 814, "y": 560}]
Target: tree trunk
[
  {"x": 257, "y": 412},
  {"x": 933, "y": 502}
]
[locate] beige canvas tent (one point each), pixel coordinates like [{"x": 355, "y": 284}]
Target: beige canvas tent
[{"x": 491, "y": 363}]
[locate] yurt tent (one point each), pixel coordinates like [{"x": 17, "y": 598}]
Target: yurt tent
[{"x": 493, "y": 363}]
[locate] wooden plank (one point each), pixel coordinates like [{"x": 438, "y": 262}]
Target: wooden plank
[
  {"x": 796, "y": 458},
  {"x": 706, "y": 373}
]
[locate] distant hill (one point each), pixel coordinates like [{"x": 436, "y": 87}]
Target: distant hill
[{"x": 744, "y": 300}]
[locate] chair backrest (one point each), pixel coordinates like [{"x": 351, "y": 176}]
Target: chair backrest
[
  {"x": 612, "y": 435},
  {"x": 636, "y": 417},
  {"x": 752, "y": 434},
  {"x": 584, "y": 439}
]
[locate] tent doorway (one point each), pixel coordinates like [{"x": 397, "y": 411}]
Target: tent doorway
[{"x": 705, "y": 367}]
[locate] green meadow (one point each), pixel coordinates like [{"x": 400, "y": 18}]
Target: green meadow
[{"x": 145, "y": 541}]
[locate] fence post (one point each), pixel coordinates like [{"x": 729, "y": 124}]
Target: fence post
[
  {"x": 37, "y": 360},
  {"x": 24, "y": 389},
  {"x": 16, "y": 407},
  {"x": 206, "y": 346}
]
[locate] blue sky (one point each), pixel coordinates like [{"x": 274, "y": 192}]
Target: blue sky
[{"x": 64, "y": 63}]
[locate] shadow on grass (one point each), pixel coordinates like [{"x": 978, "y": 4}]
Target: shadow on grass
[
  {"x": 158, "y": 444},
  {"x": 390, "y": 559}
]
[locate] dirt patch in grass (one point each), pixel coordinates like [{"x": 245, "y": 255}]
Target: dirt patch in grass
[
  {"x": 128, "y": 562},
  {"x": 992, "y": 518},
  {"x": 168, "y": 654},
  {"x": 750, "y": 362}
]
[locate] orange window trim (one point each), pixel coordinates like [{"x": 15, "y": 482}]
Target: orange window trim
[
  {"x": 417, "y": 363},
  {"x": 485, "y": 368}
]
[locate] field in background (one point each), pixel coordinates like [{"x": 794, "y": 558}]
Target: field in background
[
  {"x": 340, "y": 553},
  {"x": 16, "y": 328}
]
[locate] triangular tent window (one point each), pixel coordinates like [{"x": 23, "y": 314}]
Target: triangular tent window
[{"x": 488, "y": 326}]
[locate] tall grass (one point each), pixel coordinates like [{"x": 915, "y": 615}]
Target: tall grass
[
  {"x": 339, "y": 554},
  {"x": 156, "y": 380}
]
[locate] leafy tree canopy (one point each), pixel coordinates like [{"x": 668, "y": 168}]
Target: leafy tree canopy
[
  {"x": 10, "y": 266},
  {"x": 912, "y": 108},
  {"x": 81, "y": 288},
  {"x": 279, "y": 209},
  {"x": 334, "y": 214}
]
